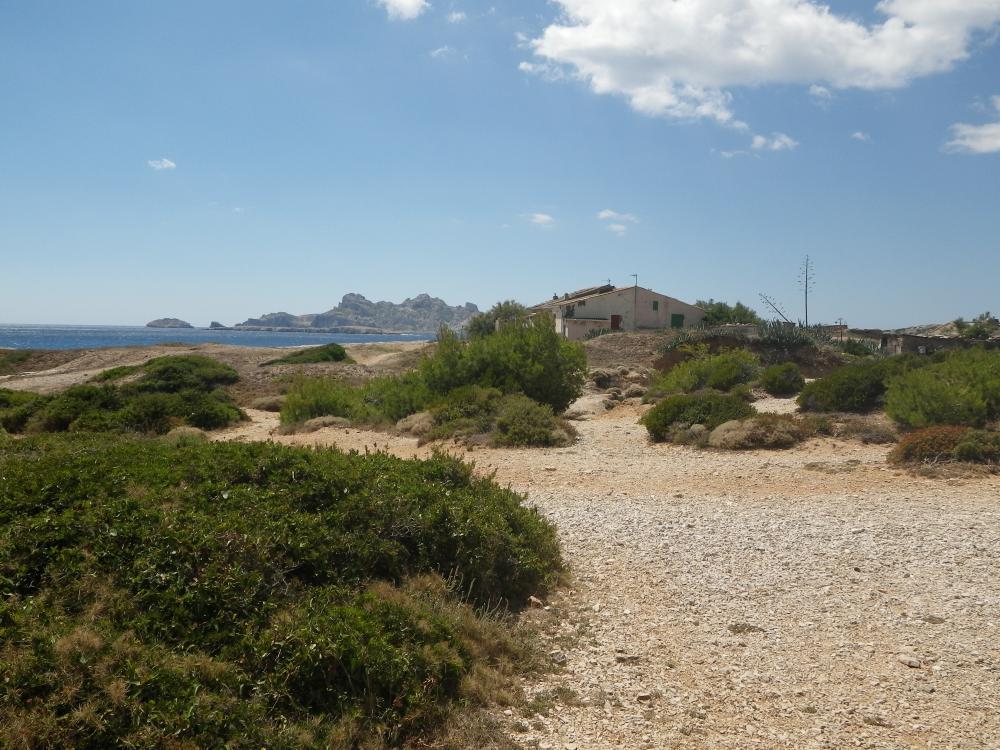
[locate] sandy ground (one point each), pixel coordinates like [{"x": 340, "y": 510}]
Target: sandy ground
[{"x": 813, "y": 598}]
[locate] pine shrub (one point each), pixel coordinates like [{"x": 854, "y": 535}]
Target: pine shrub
[
  {"x": 706, "y": 408},
  {"x": 782, "y": 380}
]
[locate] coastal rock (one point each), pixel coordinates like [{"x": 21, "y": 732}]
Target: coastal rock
[
  {"x": 421, "y": 314},
  {"x": 168, "y": 323}
]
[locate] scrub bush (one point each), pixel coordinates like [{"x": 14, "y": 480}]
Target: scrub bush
[
  {"x": 523, "y": 422},
  {"x": 706, "y": 408},
  {"x": 765, "y": 431},
  {"x": 961, "y": 389},
  {"x": 857, "y": 388},
  {"x": 719, "y": 372},
  {"x": 314, "y": 355},
  {"x": 195, "y": 594},
  {"x": 782, "y": 380},
  {"x": 930, "y": 445}
]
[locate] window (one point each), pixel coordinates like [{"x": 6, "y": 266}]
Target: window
[
  {"x": 656, "y": 304},
  {"x": 582, "y": 303}
]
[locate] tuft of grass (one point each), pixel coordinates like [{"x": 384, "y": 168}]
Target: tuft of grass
[{"x": 314, "y": 355}]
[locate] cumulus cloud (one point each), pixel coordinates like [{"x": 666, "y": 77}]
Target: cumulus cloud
[
  {"x": 541, "y": 220},
  {"x": 608, "y": 215},
  {"x": 820, "y": 93},
  {"x": 680, "y": 58},
  {"x": 456, "y": 16},
  {"x": 404, "y": 10},
  {"x": 976, "y": 139},
  {"x": 442, "y": 52},
  {"x": 160, "y": 164},
  {"x": 860, "y": 135},
  {"x": 777, "y": 142}
]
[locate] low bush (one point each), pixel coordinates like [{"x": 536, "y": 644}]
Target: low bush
[
  {"x": 393, "y": 398},
  {"x": 719, "y": 372},
  {"x": 170, "y": 392},
  {"x": 522, "y": 422},
  {"x": 194, "y": 594},
  {"x": 857, "y": 347},
  {"x": 314, "y": 355},
  {"x": 765, "y": 431},
  {"x": 308, "y": 398},
  {"x": 856, "y": 388},
  {"x": 963, "y": 388},
  {"x": 978, "y": 447},
  {"x": 782, "y": 380},
  {"x": 930, "y": 445},
  {"x": 707, "y": 408}
]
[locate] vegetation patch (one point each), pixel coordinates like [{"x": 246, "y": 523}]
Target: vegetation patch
[
  {"x": 945, "y": 444},
  {"x": 171, "y": 391},
  {"x": 708, "y": 409},
  {"x": 782, "y": 380},
  {"x": 194, "y": 594},
  {"x": 314, "y": 355},
  {"x": 720, "y": 372},
  {"x": 961, "y": 387},
  {"x": 470, "y": 385},
  {"x": 857, "y": 388},
  {"x": 764, "y": 431},
  {"x": 11, "y": 359}
]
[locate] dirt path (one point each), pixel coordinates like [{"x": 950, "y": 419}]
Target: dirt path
[{"x": 754, "y": 600}]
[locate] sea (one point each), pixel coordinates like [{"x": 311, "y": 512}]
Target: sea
[{"x": 99, "y": 337}]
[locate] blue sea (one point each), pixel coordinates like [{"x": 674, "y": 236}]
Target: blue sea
[{"x": 98, "y": 337}]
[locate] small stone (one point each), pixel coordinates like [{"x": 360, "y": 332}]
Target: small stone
[
  {"x": 534, "y": 601},
  {"x": 627, "y": 658},
  {"x": 933, "y": 619},
  {"x": 909, "y": 660},
  {"x": 644, "y": 696}
]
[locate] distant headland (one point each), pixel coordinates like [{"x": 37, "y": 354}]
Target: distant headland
[{"x": 168, "y": 323}]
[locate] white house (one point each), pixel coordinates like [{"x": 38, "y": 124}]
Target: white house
[{"x": 632, "y": 308}]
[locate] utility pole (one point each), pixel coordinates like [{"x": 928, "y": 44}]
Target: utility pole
[
  {"x": 635, "y": 301},
  {"x": 806, "y": 282}
]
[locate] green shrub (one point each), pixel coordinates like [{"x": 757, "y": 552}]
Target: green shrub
[
  {"x": 470, "y": 402},
  {"x": 116, "y": 373},
  {"x": 529, "y": 358},
  {"x": 719, "y": 372},
  {"x": 718, "y": 313},
  {"x": 978, "y": 447},
  {"x": 184, "y": 373},
  {"x": 857, "y": 347},
  {"x": 11, "y": 359},
  {"x": 961, "y": 389},
  {"x": 220, "y": 594},
  {"x": 858, "y": 387},
  {"x": 523, "y": 422},
  {"x": 708, "y": 409},
  {"x": 393, "y": 398},
  {"x": 171, "y": 391},
  {"x": 308, "y": 398},
  {"x": 782, "y": 380},
  {"x": 314, "y": 355}
]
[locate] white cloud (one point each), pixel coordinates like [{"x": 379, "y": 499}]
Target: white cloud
[
  {"x": 442, "y": 52},
  {"x": 777, "y": 142},
  {"x": 541, "y": 220},
  {"x": 159, "y": 164},
  {"x": 820, "y": 93},
  {"x": 860, "y": 135},
  {"x": 620, "y": 229},
  {"x": 608, "y": 215},
  {"x": 976, "y": 139},
  {"x": 404, "y": 10},
  {"x": 456, "y": 16},
  {"x": 680, "y": 58}
]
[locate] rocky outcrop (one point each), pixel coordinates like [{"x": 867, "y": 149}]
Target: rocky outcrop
[
  {"x": 421, "y": 314},
  {"x": 217, "y": 326},
  {"x": 168, "y": 323}
]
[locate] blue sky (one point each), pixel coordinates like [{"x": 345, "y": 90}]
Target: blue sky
[{"x": 220, "y": 160}]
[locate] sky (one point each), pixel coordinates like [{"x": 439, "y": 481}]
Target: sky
[{"x": 220, "y": 160}]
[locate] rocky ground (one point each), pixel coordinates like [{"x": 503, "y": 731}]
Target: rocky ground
[{"x": 813, "y": 598}]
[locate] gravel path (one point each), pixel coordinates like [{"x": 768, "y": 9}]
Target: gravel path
[{"x": 812, "y": 598}]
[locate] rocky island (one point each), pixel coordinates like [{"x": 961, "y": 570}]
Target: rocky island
[
  {"x": 168, "y": 323},
  {"x": 356, "y": 314}
]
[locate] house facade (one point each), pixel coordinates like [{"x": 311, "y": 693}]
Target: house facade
[{"x": 632, "y": 308}]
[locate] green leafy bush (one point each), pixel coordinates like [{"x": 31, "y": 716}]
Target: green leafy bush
[
  {"x": 718, "y": 313},
  {"x": 719, "y": 372},
  {"x": 961, "y": 389},
  {"x": 707, "y": 408},
  {"x": 314, "y": 355},
  {"x": 393, "y": 398},
  {"x": 208, "y": 594},
  {"x": 858, "y": 387},
  {"x": 501, "y": 314},
  {"x": 857, "y": 347},
  {"x": 523, "y": 422},
  {"x": 171, "y": 391},
  {"x": 308, "y": 398},
  {"x": 782, "y": 380},
  {"x": 978, "y": 447}
]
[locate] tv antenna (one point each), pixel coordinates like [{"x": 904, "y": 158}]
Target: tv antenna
[
  {"x": 776, "y": 307},
  {"x": 806, "y": 281}
]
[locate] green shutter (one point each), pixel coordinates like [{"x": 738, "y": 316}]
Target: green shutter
[{"x": 677, "y": 320}]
